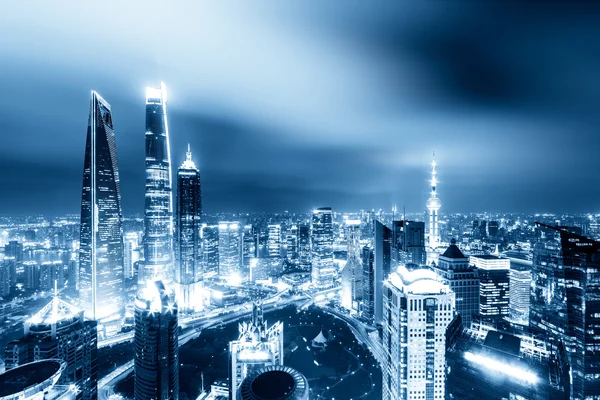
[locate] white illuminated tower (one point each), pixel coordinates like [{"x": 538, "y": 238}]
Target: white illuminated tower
[
  {"x": 258, "y": 346},
  {"x": 158, "y": 212},
  {"x": 417, "y": 310},
  {"x": 433, "y": 206},
  {"x": 101, "y": 281}
]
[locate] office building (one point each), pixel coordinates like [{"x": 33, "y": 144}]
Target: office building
[
  {"x": 352, "y": 274},
  {"x": 14, "y": 249},
  {"x": 229, "y": 251},
  {"x": 368, "y": 283},
  {"x": 51, "y": 274},
  {"x": 274, "y": 240},
  {"x": 382, "y": 268},
  {"x": 258, "y": 346},
  {"x": 5, "y": 286},
  {"x": 249, "y": 248},
  {"x": 291, "y": 243},
  {"x": 494, "y": 286},
  {"x": 565, "y": 302},
  {"x": 408, "y": 243},
  {"x": 433, "y": 207},
  {"x": 274, "y": 382},
  {"x": 418, "y": 308},
  {"x": 463, "y": 279},
  {"x": 304, "y": 252},
  {"x": 32, "y": 275},
  {"x": 188, "y": 243},
  {"x": 156, "y": 342},
  {"x": 59, "y": 331},
  {"x": 323, "y": 269},
  {"x": 493, "y": 228},
  {"x": 101, "y": 280},
  {"x": 484, "y": 363},
  {"x": 210, "y": 250},
  {"x": 158, "y": 210},
  {"x": 128, "y": 271},
  {"x": 520, "y": 285}
]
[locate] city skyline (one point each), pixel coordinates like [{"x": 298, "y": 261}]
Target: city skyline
[
  {"x": 407, "y": 192},
  {"x": 496, "y": 130}
]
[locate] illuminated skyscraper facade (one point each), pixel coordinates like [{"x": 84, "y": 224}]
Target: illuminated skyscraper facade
[
  {"x": 188, "y": 257},
  {"x": 494, "y": 286},
  {"x": 158, "y": 212},
  {"x": 101, "y": 275},
  {"x": 323, "y": 269},
  {"x": 418, "y": 308},
  {"x": 304, "y": 254},
  {"x": 274, "y": 240},
  {"x": 520, "y": 286},
  {"x": 565, "y": 303},
  {"x": 462, "y": 278},
  {"x": 210, "y": 250},
  {"x": 433, "y": 207},
  {"x": 156, "y": 344},
  {"x": 229, "y": 250}
]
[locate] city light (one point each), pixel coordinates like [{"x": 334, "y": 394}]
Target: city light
[{"x": 503, "y": 368}]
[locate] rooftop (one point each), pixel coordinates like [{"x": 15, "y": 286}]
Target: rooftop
[
  {"x": 418, "y": 281},
  {"x": 453, "y": 251},
  {"x": 25, "y": 376}
]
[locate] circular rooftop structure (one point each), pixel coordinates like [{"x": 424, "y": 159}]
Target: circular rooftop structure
[
  {"x": 275, "y": 382},
  {"x": 29, "y": 380}
]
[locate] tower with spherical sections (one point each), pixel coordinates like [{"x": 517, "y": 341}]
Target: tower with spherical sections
[
  {"x": 156, "y": 344},
  {"x": 433, "y": 206}
]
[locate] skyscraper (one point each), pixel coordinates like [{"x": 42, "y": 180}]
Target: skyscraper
[
  {"x": 368, "y": 283},
  {"x": 156, "y": 344},
  {"x": 59, "y": 331},
  {"x": 158, "y": 221},
  {"x": 418, "y": 308},
  {"x": 433, "y": 207},
  {"x": 323, "y": 270},
  {"x": 250, "y": 246},
  {"x": 188, "y": 259},
  {"x": 5, "y": 285},
  {"x": 565, "y": 303},
  {"x": 304, "y": 255},
  {"x": 352, "y": 274},
  {"x": 456, "y": 272},
  {"x": 210, "y": 250},
  {"x": 494, "y": 286},
  {"x": 257, "y": 346},
  {"x": 409, "y": 242},
  {"x": 382, "y": 268},
  {"x": 229, "y": 250},
  {"x": 101, "y": 234},
  {"x": 274, "y": 240},
  {"x": 520, "y": 285}
]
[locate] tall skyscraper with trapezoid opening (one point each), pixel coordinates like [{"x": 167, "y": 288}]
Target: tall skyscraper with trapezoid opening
[{"x": 101, "y": 285}]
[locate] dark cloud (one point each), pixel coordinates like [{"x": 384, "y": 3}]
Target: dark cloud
[{"x": 300, "y": 104}]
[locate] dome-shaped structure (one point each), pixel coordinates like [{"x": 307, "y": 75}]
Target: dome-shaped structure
[{"x": 275, "y": 382}]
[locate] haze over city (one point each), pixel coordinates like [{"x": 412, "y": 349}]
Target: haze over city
[{"x": 288, "y": 106}]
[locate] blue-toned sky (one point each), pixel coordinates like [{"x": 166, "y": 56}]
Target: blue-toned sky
[{"x": 293, "y": 105}]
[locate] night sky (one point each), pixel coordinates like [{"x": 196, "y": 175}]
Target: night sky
[{"x": 295, "y": 105}]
